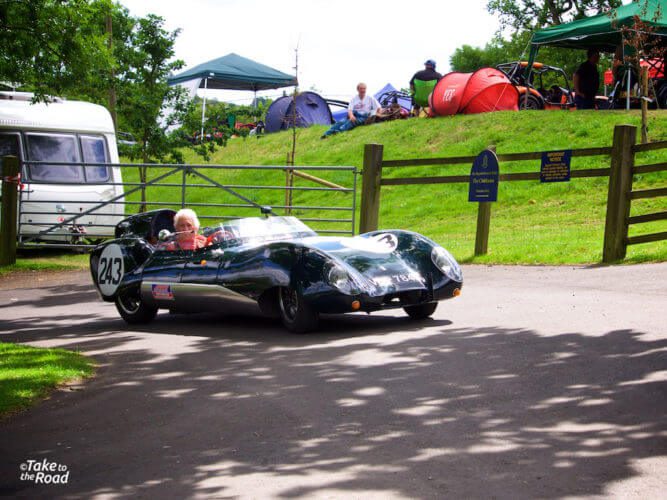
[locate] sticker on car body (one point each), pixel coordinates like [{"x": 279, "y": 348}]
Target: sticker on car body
[
  {"x": 162, "y": 292},
  {"x": 110, "y": 269}
]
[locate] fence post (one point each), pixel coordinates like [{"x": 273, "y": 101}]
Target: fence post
[
  {"x": 483, "y": 223},
  {"x": 483, "y": 226},
  {"x": 370, "y": 188},
  {"x": 618, "y": 197},
  {"x": 8, "y": 219},
  {"x": 184, "y": 181}
]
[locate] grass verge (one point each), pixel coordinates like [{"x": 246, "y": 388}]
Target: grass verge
[
  {"x": 46, "y": 260},
  {"x": 29, "y": 373}
]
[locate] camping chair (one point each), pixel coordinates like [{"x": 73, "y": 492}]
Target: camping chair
[
  {"x": 423, "y": 89},
  {"x": 391, "y": 97}
]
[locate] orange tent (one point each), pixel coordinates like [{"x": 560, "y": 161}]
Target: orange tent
[{"x": 483, "y": 91}]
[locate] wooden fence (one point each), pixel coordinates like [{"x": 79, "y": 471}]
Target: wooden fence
[{"x": 620, "y": 172}]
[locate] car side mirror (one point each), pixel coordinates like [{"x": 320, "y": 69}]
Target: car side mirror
[{"x": 164, "y": 235}]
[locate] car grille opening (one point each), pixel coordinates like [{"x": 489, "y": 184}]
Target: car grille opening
[{"x": 404, "y": 298}]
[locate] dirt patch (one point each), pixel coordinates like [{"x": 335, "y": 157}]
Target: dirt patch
[{"x": 36, "y": 279}]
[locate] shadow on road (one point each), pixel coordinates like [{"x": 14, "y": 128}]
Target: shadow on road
[{"x": 442, "y": 411}]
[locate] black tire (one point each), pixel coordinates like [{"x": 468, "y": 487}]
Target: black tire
[
  {"x": 422, "y": 311},
  {"x": 295, "y": 313},
  {"x": 133, "y": 310},
  {"x": 532, "y": 102}
]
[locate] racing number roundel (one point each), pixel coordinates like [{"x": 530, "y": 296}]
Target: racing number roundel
[
  {"x": 390, "y": 241},
  {"x": 110, "y": 269}
]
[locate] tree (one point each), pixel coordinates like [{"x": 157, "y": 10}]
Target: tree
[
  {"x": 147, "y": 106},
  {"x": 527, "y": 15},
  {"x": 467, "y": 59},
  {"x": 500, "y": 50},
  {"x": 642, "y": 42},
  {"x": 51, "y": 45},
  {"x": 99, "y": 80}
]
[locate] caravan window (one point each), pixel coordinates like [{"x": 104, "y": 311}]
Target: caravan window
[
  {"x": 95, "y": 151},
  {"x": 9, "y": 145},
  {"x": 56, "y": 148},
  {"x": 65, "y": 148}
]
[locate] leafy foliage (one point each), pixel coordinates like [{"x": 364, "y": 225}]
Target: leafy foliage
[
  {"x": 52, "y": 45},
  {"x": 522, "y": 17},
  {"x": 500, "y": 50},
  {"x": 144, "y": 95},
  {"x": 61, "y": 47},
  {"x": 219, "y": 123},
  {"x": 527, "y": 15}
]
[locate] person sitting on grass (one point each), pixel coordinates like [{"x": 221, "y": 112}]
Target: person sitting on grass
[
  {"x": 186, "y": 225},
  {"x": 361, "y": 107}
]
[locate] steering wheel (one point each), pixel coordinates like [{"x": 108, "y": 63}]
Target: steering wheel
[{"x": 219, "y": 236}]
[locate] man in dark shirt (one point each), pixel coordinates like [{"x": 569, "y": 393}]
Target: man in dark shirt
[
  {"x": 586, "y": 81},
  {"x": 428, "y": 74}
]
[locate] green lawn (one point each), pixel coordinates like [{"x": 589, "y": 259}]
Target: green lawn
[
  {"x": 531, "y": 223},
  {"x": 46, "y": 260},
  {"x": 29, "y": 373}
]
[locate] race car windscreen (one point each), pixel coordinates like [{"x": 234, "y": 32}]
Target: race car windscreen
[{"x": 258, "y": 229}]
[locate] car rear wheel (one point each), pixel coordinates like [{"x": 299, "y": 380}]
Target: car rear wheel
[
  {"x": 133, "y": 310},
  {"x": 421, "y": 311},
  {"x": 295, "y": 313},
  {"x": 531, "y": 103}
]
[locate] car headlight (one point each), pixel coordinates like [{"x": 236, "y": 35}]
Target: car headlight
[
  {"x": 444, "y": 261},
  {"x": 339, "y": 278}
]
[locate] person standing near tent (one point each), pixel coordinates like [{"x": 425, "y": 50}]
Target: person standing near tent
[
  {"x": 422, "y": 84},
  {"x": 361, "y": 107},
  {"x": 586, "y": 81}
]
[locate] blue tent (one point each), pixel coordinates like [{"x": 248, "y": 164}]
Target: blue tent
[
  {"x": 381, "y": 95},
  {"x": 311, "y": 109}
]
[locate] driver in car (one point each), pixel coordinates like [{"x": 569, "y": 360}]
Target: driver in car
[{"x": 187, "y": 234}]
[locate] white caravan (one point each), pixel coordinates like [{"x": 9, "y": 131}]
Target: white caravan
[{"x": 62, "y": 131}]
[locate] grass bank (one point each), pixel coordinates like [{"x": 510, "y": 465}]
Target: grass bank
[
  {"x": 531, "y": 223},
  {"x": 38, "y": 260},
  {"x": 30, "y": 373}
]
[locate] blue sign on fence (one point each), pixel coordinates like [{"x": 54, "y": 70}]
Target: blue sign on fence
[
  {"x": 484, "y": 177},
  {"x": 555, "y": 166}
]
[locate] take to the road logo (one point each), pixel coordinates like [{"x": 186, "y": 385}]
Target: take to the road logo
[{"x": 44, "y": 472}]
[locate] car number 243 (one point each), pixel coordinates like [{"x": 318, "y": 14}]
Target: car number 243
[{"x": 110, "y": 269}]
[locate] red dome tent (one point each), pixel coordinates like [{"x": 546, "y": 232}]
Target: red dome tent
[{"x": 483, "y": 91}]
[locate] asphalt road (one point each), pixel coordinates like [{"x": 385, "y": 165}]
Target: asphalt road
[{"x": 535, "y": 383}]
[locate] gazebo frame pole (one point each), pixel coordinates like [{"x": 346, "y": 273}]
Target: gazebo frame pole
[
  {"x": 627, "y": 93},
  {"x": 203, "y": 110}
]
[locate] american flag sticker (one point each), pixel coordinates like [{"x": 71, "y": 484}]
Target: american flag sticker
[{"x": 162, "y": 292}]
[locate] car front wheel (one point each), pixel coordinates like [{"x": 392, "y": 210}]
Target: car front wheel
[
  {"x": 295, "y": 313},
  {"x": 133, "y": 310},
  {"x": 422, "y": 311}
]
